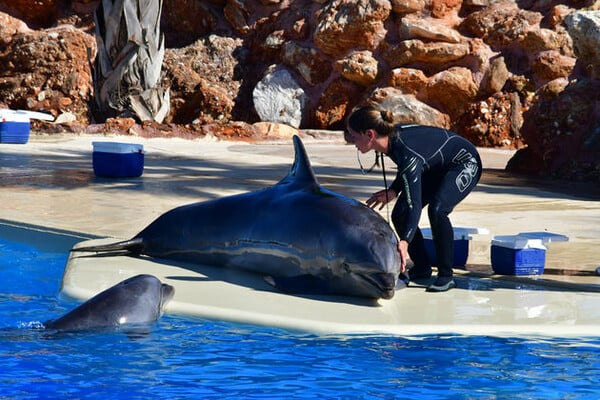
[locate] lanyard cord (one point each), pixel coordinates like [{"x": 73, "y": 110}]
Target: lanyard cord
[
  {"x": 385, "y": 185},
  {"x": 362, "y": 169},
  {"x": 378, "y": 155}
]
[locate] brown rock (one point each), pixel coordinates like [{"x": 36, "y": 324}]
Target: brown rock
[
  {"x": 442, "y": 8},
  {"x": 451, "y": 91},
  {"x": 335, "y": 104},
  {"x": 359, "y": 67},
  {"x": 500, "y": 24},
  {"x": 308, "y": 62},
  {"x": 408, "y": 80},
  {"x": 550, "y": 65},
  {"x": 496, "y": 77},
  {"x": 10, "y": 26},
  {"x": 490, "y": 122},
  {"x": 236, "y": 14},
  {"x": 37, "y": 14},
  {"x": 186, "y": 21},
  {"x": 39, "y": 69},
  {"x": 272, "y": 130},
  {"x": 408, "y": 6},
  {"x": 407, "y": 108},
  {"x": 345, "y": 25},
  {"x": 537, "y": 39},
  {"x": 415, "y": 26},
  {"x": 416, "y": 51},
  {"x": 201, "y": 89},
  {"x": 561, "y": 131}
]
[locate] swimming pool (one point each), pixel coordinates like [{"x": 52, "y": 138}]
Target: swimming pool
[{"x": 182, "y": 357}]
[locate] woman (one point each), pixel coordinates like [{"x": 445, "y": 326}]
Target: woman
[{"x": 436, "y": 168}]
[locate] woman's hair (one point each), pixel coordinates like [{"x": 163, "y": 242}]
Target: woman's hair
[{"x": 369, "y": 117}]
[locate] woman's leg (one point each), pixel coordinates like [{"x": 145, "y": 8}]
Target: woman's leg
[{"x": 453, "y": 188}]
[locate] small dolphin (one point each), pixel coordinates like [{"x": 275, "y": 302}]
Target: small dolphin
[
  {"x": 305, "y": 238},
  {"x": 137, "y": 300}
]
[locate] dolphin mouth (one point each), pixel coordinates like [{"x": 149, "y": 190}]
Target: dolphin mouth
[
  {"x": 167, "y": 293},
  {"x": 383, "y": 283}
]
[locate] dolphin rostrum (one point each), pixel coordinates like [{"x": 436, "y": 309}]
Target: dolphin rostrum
[
  {"x": 303, "y": 237},
  {"x": 137, "y": 300}
]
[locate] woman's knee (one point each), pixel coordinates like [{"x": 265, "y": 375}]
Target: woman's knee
[{"x": 437, "y": 211}]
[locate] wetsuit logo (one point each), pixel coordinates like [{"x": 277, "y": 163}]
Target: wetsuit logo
[{"x": 467, "y": 175}]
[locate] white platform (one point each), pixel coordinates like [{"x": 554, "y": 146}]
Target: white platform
[{"x": 478, "y": 306}]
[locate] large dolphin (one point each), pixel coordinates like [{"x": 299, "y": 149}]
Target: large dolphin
[
  {"x": 305, "y": 238},
  {"x": 137, "y": 300}
]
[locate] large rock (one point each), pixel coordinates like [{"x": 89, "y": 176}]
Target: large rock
[
  {"x": 203, "y": 79},
  {"x": 584, "y": 28},
  {"x": 359, "y": 67},
  {"x": 406, "y": 108},
  {"x": 279, "y": 98},
  {"x": 356, "y": 24},
  {"x": 433, "y": 54},
  {"x": 47, "y": 70},
  {"x": 493, "y": 122},
  {"x": 408, "y": 80},
  {"x": 451, "y": 91},
  {"x": 336, "y": 103},
  {"x": 501, "y": 24},
  {"x": 309, "y": 63},
  {"x": 562, "y": 131},
  {"x": 415, "y": 26}
]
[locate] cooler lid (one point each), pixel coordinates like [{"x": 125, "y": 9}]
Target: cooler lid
[
  {"x": 517, "y": 242},
  {"x": 118, "y": 147},
  {"x": 460, "y": 232},
  {"x": 545, "y": 237}
]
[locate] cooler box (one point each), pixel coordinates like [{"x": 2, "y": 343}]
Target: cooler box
[
  {"x": 14, "y": 127},
  {"x": 462, "y": 235},
  {"x": 517, "y": 255},
  {"x": 118, "y": 160}
]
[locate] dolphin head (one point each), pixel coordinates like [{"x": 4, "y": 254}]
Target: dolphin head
[
  {"x": 371, "y": 262},
  {"x": 137, "y": 300}
]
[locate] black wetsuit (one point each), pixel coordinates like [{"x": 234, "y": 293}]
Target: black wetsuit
[{"x": 438, "y": 168}]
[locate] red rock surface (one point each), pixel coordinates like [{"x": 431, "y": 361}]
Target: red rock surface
[{"x": 482, "y": 68}]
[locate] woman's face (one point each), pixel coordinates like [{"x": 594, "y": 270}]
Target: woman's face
[{"x": 362, "y": 141}]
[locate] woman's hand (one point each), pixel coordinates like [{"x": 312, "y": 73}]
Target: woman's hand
[
  {"x": 381, "y": 198},
  {"x": 403, "y": 249}
]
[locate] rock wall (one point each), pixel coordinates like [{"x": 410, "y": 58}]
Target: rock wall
[{"x": 503, "y": 73}]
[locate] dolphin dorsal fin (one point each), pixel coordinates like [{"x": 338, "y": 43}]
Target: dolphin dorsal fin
[{"x": 301, "y": 171}]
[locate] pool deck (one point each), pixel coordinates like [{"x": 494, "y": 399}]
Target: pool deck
[{"x": 49, "y": 183}]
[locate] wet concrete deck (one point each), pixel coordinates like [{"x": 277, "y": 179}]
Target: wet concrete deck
[{"x": 49, "y": 182}]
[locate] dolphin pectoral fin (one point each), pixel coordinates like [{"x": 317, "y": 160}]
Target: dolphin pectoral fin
[{"x": 301, "y": 284}]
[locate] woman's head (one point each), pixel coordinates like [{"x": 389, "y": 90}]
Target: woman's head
[{"x": 365, "y": 123}]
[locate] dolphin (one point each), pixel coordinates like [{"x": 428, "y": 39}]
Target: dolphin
[
  {"x": 304, "y": 238},
  {"x": 137, "y": 300}
]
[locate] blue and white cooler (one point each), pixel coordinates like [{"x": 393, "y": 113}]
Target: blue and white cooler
[
  {"x": 118, "y": 160},
  {"x": 462, "y": 235},
  {"x": 522, "y": 254},
  {"x": 15, "y": 125}
]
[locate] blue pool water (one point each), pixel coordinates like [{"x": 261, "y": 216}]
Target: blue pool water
[{"x": 183, "y": 357}]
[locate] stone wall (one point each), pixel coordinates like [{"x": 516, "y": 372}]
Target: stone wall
[{"x": 503, "y": 73}]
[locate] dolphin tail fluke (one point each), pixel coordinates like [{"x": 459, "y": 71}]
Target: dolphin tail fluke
[{"x": 134, "y": 246}]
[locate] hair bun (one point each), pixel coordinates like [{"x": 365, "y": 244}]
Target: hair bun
[{"x": 387, "y": 116}]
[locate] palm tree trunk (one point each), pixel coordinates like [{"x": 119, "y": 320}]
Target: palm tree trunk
[{"x": 128, "y": 65}]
